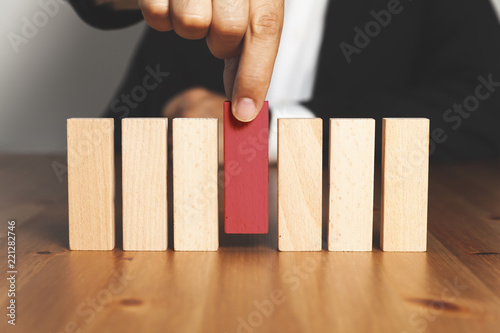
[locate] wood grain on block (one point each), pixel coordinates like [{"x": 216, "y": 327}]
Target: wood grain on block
[
  {"x": 352, "y": 159},
  {"x": 144, "y": 182},
  {"x": 299, "y": 184},
  {"x": 405, "y": 169},
  {"x": 195, "y": 163},
  {"x": 246, "y": 173},
  {"x": 91, "y": 184}
]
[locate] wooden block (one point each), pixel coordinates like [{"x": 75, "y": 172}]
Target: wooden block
[
  {"x": 352, "y": 159},
  {"x": 246, "y": 173},
  {"x": 195, "y": 162},
  {"x": 91, "y": 184},
  {"x": 300, "y": 184},
  {"x": 144, "y": 183},
  {"x": 405, "y": 169}
]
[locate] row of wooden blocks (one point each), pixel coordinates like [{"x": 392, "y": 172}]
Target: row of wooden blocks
[{"x": 91, "y": 184}]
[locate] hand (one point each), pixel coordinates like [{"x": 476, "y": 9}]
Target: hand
[
  {"x": 197, "y": 103},
  {"x": 246, "y": 33}
]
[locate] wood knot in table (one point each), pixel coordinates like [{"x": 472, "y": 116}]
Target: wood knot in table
[
  {"x": 485, "y": 253},
  {"x": 435, "y": 304},
  {"x": 131, "y": 302}
]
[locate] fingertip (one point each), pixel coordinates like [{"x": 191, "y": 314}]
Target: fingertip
[{"x": 245, "y": 110}]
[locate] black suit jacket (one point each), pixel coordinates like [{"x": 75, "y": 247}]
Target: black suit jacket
[{"x": 430, "y": 61}]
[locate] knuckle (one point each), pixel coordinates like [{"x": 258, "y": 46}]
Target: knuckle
[
  {"x": 266, "y": 22},
  {"x": 230, "y": 28},
  {"x": 156, "y": 16},
  {"x": 256, "y": 80},
  {"x": 194, "y": 22},
  {"x": 155, "y": 11},
  {"x": 224, "y": 38}
]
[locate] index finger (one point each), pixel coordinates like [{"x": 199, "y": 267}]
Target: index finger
[{"x": 260, "y": 47}]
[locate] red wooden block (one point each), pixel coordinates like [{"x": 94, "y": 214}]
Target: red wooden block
[{"x": 246, "y": 173}]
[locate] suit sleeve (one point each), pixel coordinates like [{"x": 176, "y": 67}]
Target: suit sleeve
[
  {"x": 163, "y": 66},
  {"x": 104, "y": 17},
  {"x": 436, "y": 59}
]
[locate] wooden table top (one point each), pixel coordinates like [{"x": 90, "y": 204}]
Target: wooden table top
[{"x": 248, "y": 286}]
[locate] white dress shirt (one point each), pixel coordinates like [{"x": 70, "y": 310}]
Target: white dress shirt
[{"x": 295, "y": 68}]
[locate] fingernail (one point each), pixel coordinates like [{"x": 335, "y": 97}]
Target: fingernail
[{"x": 245, "y": 109}]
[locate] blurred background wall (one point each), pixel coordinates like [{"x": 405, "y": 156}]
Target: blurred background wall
[{"x": 66, "y": 69}]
